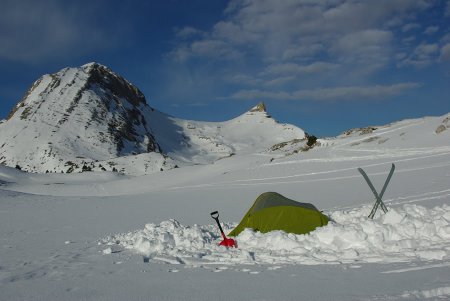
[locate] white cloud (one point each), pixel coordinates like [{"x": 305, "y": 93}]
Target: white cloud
[
  {"x": 294, "y": 44},
  {"x": 302, "y": 52},
  {"x": 445, "y": 52},
  {"x": 401, "y": 55},
  {"x": 293, "y": 68},
  {"x": 234, "y": 33},
  {"x": 260, "y": 95},
  {"x": 212, "y": 48},
  {"x": 329, "y": 94},
  {"x": 431, "y": 30},
  {"x": 364, "y": 38},
  {"x": 366, "y": 51},
  {"x": 280, "y": 81},
  {"x": 244, "y": 79},
  {"x": 410, "y": 26},
  {"x": 294, "y": 30},
  {"x": 446, "y": 38},
  {"x": 425, "y": 50},
  {"x": 364, "y": 46},
  {"x": 422, "y": 56},
  {"x": 205, "y": 49},
  {"x": 409, "y": 40},
  {"x": 372, "y": 92},
  {"x": 187, "y": 32}
]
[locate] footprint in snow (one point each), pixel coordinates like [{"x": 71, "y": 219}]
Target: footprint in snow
[
  {"x": 274, "y": 268},
  {"x": 173, "y": 271}
]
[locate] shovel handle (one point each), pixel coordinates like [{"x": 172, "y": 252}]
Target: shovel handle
[{"x": 215, "y": 215}]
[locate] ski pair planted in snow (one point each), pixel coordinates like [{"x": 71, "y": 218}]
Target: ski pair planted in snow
[{"x": 378, "y": 197}]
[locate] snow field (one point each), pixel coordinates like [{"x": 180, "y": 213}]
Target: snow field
[
  {"x": 405, "y": 234},
  {"x": 50, "y": 224}
]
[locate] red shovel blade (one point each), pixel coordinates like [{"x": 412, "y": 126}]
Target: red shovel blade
[{"x": 229, "y": 243}]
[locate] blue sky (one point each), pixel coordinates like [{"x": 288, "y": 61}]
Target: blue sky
[{"x": 325, "y": 66}]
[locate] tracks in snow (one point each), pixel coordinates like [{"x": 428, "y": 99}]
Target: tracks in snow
[{"x": 327, "y": 175}]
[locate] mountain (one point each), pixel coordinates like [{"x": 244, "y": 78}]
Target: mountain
[
  {"x": 75, "y": 117},
  {"x": 90, "y": 118},
  {"x": 426, "y": 135},
  {"x": 426, "y": 132}
]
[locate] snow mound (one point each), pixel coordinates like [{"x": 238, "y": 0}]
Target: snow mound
[{"x": 404, "y": 234}]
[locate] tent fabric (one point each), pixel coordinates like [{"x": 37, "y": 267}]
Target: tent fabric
[{"x": 272, "y": 211}]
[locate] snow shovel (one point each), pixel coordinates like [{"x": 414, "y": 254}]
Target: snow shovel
[{"x": 226, "y": 242}]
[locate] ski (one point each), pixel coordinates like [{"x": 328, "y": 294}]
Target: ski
[{"x": 378, "y": 197}]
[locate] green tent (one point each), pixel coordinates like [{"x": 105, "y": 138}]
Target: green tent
[{"x": 272, "y": 211}]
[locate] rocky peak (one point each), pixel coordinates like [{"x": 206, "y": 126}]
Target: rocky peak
[
  {"x": 260, "y": 107},
  {"x": 120, "y": 88},
  {"x": 67, "y": 87}
]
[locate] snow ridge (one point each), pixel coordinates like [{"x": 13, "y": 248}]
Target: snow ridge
[{"x": 405, "y": 234}]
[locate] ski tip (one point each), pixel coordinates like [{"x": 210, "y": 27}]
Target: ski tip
[{"x": 361, "y": 171}]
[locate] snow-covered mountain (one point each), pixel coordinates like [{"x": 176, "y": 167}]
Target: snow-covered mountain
[
  {"x": 74, "y": 118},
  {"x": 90, "y": 118},
  {"x": 410, "y": 135}
]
